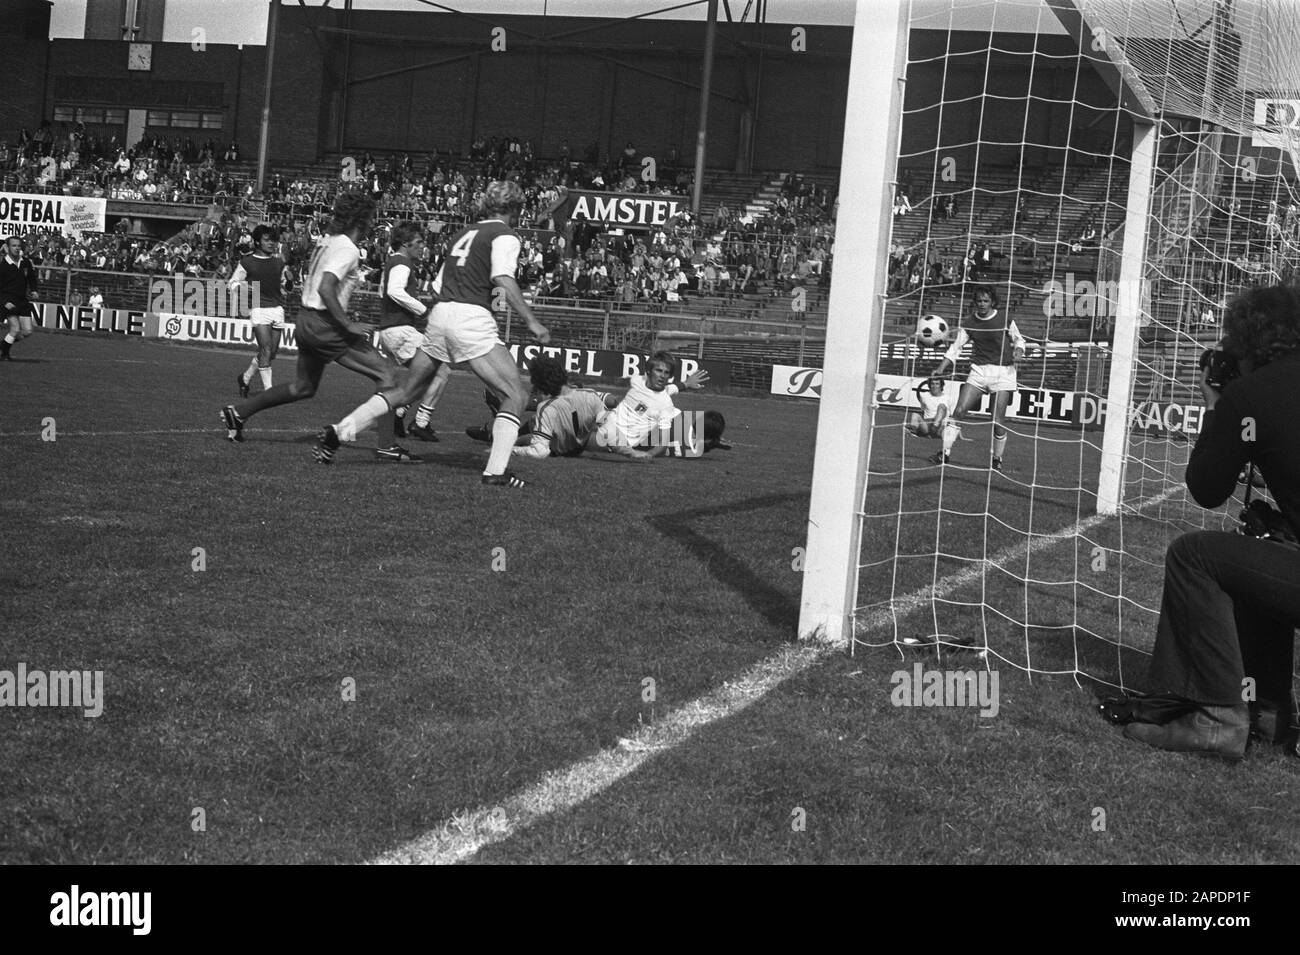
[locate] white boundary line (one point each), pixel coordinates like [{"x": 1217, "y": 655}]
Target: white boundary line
[{"x": 462, "y": 836}]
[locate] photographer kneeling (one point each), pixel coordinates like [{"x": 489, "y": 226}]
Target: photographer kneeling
[{"x": 1231, "y": 602}]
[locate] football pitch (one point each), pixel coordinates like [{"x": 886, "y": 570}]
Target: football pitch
[{"x": 374, "y": 661}]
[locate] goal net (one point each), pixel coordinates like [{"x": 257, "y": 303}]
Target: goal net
[{"x": 1112, "y": 171}]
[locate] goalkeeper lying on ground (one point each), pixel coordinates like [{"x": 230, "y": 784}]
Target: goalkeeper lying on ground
[{"x": 569, "y": 420}]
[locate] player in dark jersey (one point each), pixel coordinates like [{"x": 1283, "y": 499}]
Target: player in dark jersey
[
  {"x": 263, "y": 270},
  {"x": 402, "y": 323},
  {"x": 18, "y": 290},
  {"x": 325, "y": 333},
  {"x": 996, "y": 345},
  {"x": 480, "y": 267}
]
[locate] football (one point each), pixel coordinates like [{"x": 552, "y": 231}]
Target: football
[{"x": 931, "y": 330}]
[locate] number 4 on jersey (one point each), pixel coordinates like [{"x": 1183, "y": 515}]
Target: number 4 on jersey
[{"x": 461, "y": 249}]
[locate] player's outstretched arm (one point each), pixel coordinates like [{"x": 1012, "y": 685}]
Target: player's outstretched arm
[
  {"x": 696, "y": 381},
  {"x": 510, "y": 287}
]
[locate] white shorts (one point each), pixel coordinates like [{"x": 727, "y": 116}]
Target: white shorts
[
  {"x": 992, "y": 377},
  {"x": 401, "y": 342},
  {"x": 267, "y": 316},
  {"x": 460, "y": 332}
]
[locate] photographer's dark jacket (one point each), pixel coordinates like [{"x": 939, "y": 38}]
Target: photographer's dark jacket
[{"x": 1257, "y": 418}]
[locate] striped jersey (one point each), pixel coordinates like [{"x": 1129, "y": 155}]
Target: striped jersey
[{"x": 568, "y": 420}]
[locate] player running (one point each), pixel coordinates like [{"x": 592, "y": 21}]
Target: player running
[
  {"x": 264, "y": 271},
  {"x": 480, "y": 265},
  {"x": 996, "y": 345},
  {"x": 325, "y": 333},
  {"x": 404, "y": 320}
]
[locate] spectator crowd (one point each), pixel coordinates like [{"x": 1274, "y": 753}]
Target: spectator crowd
[{"x": 724, "y": 254}]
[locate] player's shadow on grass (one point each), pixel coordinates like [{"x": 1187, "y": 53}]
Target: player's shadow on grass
[{"x": 775, "y": 606}]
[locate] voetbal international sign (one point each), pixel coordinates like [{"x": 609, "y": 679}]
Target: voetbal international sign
[{"x": 22, "y": 214}]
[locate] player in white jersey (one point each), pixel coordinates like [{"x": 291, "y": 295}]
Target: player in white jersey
[
  {"x": 325, "y": 333},
  {"x": 934, "y": 409},
  {"x": 996, "y": 346},
  {"x": 645, "y": 415}
]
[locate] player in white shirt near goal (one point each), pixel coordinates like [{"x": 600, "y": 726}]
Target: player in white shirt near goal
[
  {"x": 934, "y": 409},
  {"x": 996, "y": 346},
  {"x": 645, "y": 415}
]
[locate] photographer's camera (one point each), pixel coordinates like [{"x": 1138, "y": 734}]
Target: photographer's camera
[{"x": 1220, "y": 367}]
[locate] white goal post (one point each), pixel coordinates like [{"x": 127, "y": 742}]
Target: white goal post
[
  {"x": 855, "y": 318},
  {"x": 857, "y": 300}
]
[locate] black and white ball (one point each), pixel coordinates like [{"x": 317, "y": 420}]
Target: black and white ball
[{"x": 931, "y": 330}]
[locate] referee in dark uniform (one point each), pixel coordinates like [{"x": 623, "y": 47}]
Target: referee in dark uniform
[{"x": 18, "y": 289}]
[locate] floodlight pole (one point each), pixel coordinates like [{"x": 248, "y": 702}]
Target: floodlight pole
[
  {"x": 877, "y": 72},
  {"x": 706, "y": 88},
  {"x": 272, "y": 23}
]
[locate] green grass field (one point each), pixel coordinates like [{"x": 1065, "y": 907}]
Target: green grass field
[{"x": 494, "y": 638}]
